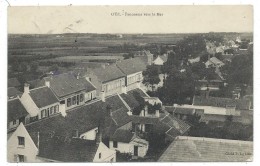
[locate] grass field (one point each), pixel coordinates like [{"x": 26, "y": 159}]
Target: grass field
[
  {"x": 76, "y": 59},
  {"x": 79, "y": 44}
]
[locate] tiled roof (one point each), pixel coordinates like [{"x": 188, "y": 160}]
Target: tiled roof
[
  {"x": 164, "y": 124},
  {"x": 164, "y": 57},
  {"x": 180, "y": 110},
  {"x": 131, "y": 66},
  {"x": 175, "y": 123},
  {"x": 132, "y": 98},
  {"x": 13, "y": 82},
  {"x": 116, "y": 103},
  {"x": 13, "y": 92},
  {"x": 108, "y": 73},
  {"x": 122, "y": 136},
  {"x": 15, "y": 110},
  {"x": 241, "y": 104},
  {"x": 43, "y": 96},
  {"x": 120, "y": 117},
  {"x": 215, "y": 61},
  {"x": 67, "y": 83},
  {"x": 60, "y": 148},
  {"x": 207, "y": 149},
  {"x": 81, "y": 119}
]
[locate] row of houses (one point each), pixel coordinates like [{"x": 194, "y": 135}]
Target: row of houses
[{"x": 86, "y": 117}]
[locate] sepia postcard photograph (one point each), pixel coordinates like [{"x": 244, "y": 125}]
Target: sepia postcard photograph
[{"x": 107, "y": 84}]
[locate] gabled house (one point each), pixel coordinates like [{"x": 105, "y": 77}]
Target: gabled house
[
  {"x": 133, "y": 69},
  {"x": 160, "y": 59},
  {"x": 16, "y": 113},
  {"x": 126, "y": 141},
  {"x": 71, "y": 90},
  {"x": 82, "y": 126},
  {"x": 40, "y": 103},
  {"x": 214, "y": 62},
  {"x": 56, "y": 148},
  {"x": 108, "y": 80},
  {"x": 166, "y": 125},
  {"x": 145, "y": 56},
  {"x": 20, "y": 146}
]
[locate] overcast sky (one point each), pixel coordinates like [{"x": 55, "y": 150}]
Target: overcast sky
[{"x": 175, "y": 19}]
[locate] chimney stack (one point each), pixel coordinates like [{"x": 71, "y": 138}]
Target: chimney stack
[
  {"x": 26, "y": 88},
  {"x": 47, "y": 83}
]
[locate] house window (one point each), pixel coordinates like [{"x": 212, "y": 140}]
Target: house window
[
  {"x": 47, "y": 112},
  {"x": 62, "y": 102},
  {"x": 56, "y": 109},
  {"x": 43, "y": 113},
  {"x": 74, "y": 100},
  {"x": 21, "y": 141},
  {"x": 68, "y": 102},
  {"x": 21, "y": 158},
  {"x": 115, "y": 144},
  {"x": 99, "y": 155},
  {"x": 81, "y": 97},
  {"x": 51, "y": 110}
]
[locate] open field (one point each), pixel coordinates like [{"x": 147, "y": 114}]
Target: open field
[
  {"x": 79, "y": 44},
  {"x": 77, "y": 59}
]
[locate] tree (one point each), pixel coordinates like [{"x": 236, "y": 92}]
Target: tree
[
  {"x": 151, "y": 76},
  {"x": 54, "y": 68},
  {"x": 178, "y": 87},
  {"x": 198, "y": 69},
  {"x": 128, "y": 56},
  {"x": 15, "y": 66},
  {"x": 34, "y": 66},
  {"x": 23, "y": 67}
]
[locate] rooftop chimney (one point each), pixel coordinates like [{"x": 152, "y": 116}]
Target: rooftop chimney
[
  {"x": 26, "y": 88},
  {"x": 47, "y": 83}
]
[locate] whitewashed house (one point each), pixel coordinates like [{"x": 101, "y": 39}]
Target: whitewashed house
[
  {"x": 126, "y": 141},
  {"x": 133, "y": 69},
  {"x": 40, "y": 103},
  {"x": 160, "y": 60},
  {"x": 108, "y": 80},
  {"x": 20, "y": 146},
  {"x": 71, "y": 90}
]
